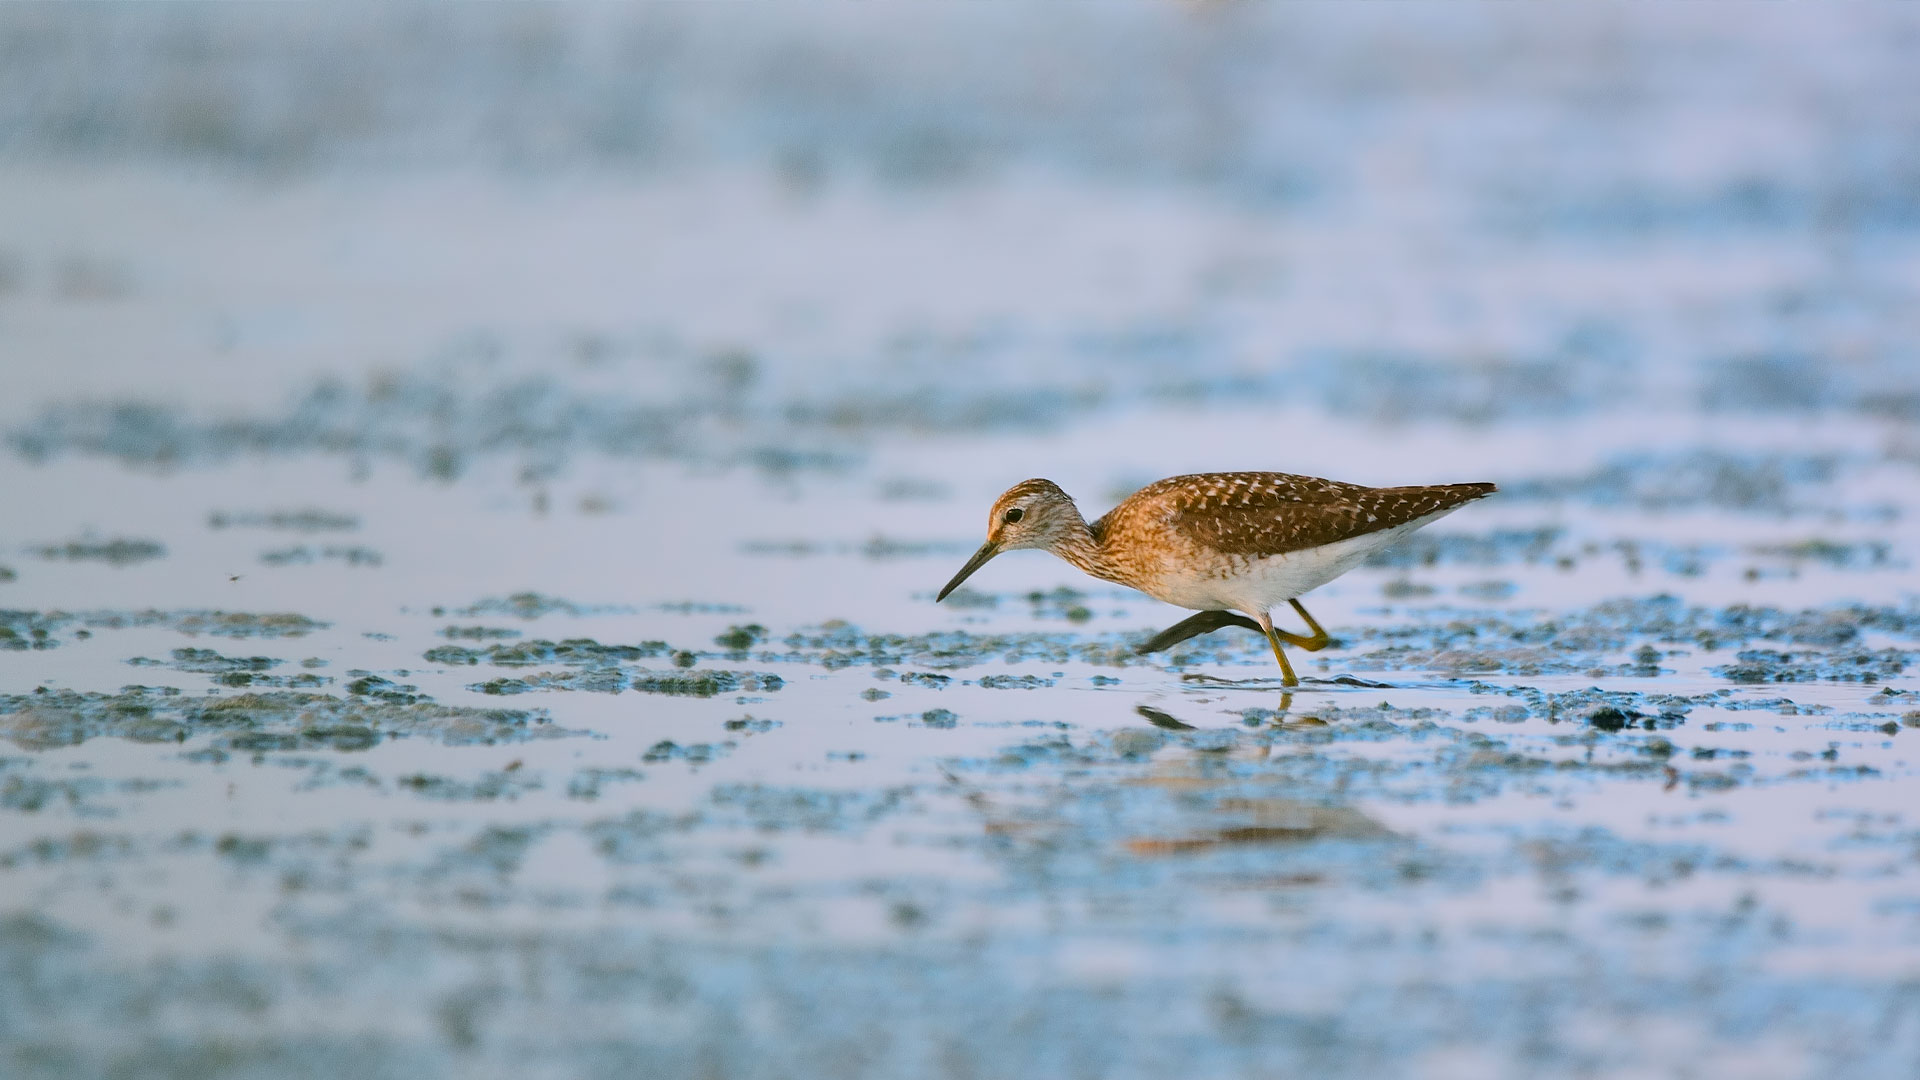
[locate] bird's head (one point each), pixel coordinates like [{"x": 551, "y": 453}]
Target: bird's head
[{"x": 1031, "y": 514}]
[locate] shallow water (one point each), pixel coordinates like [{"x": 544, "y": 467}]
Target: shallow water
[{"x": 466, "y": 590}]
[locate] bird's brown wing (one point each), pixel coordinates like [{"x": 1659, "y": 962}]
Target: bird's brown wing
[{"x": 1264, "y": 513}]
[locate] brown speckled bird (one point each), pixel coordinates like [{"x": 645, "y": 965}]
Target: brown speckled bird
[{"x": 1220, "y": 542}]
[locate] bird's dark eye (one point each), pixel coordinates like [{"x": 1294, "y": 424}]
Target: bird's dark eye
[{"x": 1013, "y": 516}]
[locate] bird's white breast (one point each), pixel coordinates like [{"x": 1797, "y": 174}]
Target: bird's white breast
[{"x": 1257, "y": 585}]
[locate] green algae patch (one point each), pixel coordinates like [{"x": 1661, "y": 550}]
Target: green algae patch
[
  {"x": 242, "y": 624},
  {"x": 1839, "y": 554},
  {"x": 1498, "y": 547},
  {"x": 383, "y": 689},
  {"x": 479, "y": 633},
  {"x": 1630, "y": 637},
  {"x": 500, "y": 784},
  {"x": 840, "y": 645},
  {"x": 1690, "y": 478},
  {"x": 740, "y": 638},
  {"x": 303, "y": 520},
  {"x": 86, "y": 794},
  {"x": 580, "y": 651},
  {"x": 22, "y": 630},
  {"x": 208, "y": 662},
  {"x": 115, "y": 552},
  {"x": 1842, "y": 665},
  {"x": 236, "y": 671},
  {"x": 1014, "y": 682},
  {"x": 1626, "y": 638},
  {"x": 273, "y": 720},
  {"x": 29, "y": 629},
  {"x": 35, "y": 726},
  {"x": 1060, "y": 603},
  {"x": 531, "y": 605},
  {"x": 595, "y": 680},
  {"x": 612, "y": 680},
  {"x": 703, "y": 683},
  {"x": 307, "y": 554},
  {"x": 1370, "y": 722},
  {"x": 773, "y": 808},
  {"x": 693, "y": 753}
]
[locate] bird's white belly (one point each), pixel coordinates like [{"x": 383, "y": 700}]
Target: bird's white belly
[{"x": 1260, "y": 584}]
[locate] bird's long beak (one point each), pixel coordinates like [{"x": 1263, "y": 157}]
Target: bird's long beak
[{"x": 987, "y": 551}]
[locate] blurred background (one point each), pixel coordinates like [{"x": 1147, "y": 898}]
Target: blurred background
[{"x": 476, "y": 477}]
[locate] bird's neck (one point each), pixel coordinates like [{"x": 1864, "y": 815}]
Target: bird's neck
[{"x": 1082, "y": 546}]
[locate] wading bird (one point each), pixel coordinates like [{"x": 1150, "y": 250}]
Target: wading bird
[{"x": 1220, "y": 543}]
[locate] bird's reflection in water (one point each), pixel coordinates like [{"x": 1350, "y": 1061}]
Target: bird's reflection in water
[
  {"x": 1274, "y": 820},
  {"x": 1194, "y": 788},
  {"x": 1279, "y": 717},
  {"x": 1250, "y": 820}
]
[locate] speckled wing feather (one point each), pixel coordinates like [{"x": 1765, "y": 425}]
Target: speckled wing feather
[{"x": 1266, "y": 513}]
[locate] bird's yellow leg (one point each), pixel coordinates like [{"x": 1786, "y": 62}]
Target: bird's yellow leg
[
  {"x": 1318, "y": 641},
  {"x": 1287, "y": 677}
]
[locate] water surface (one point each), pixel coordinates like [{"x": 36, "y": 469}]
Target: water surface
[{"x": 466, "y": 590}]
